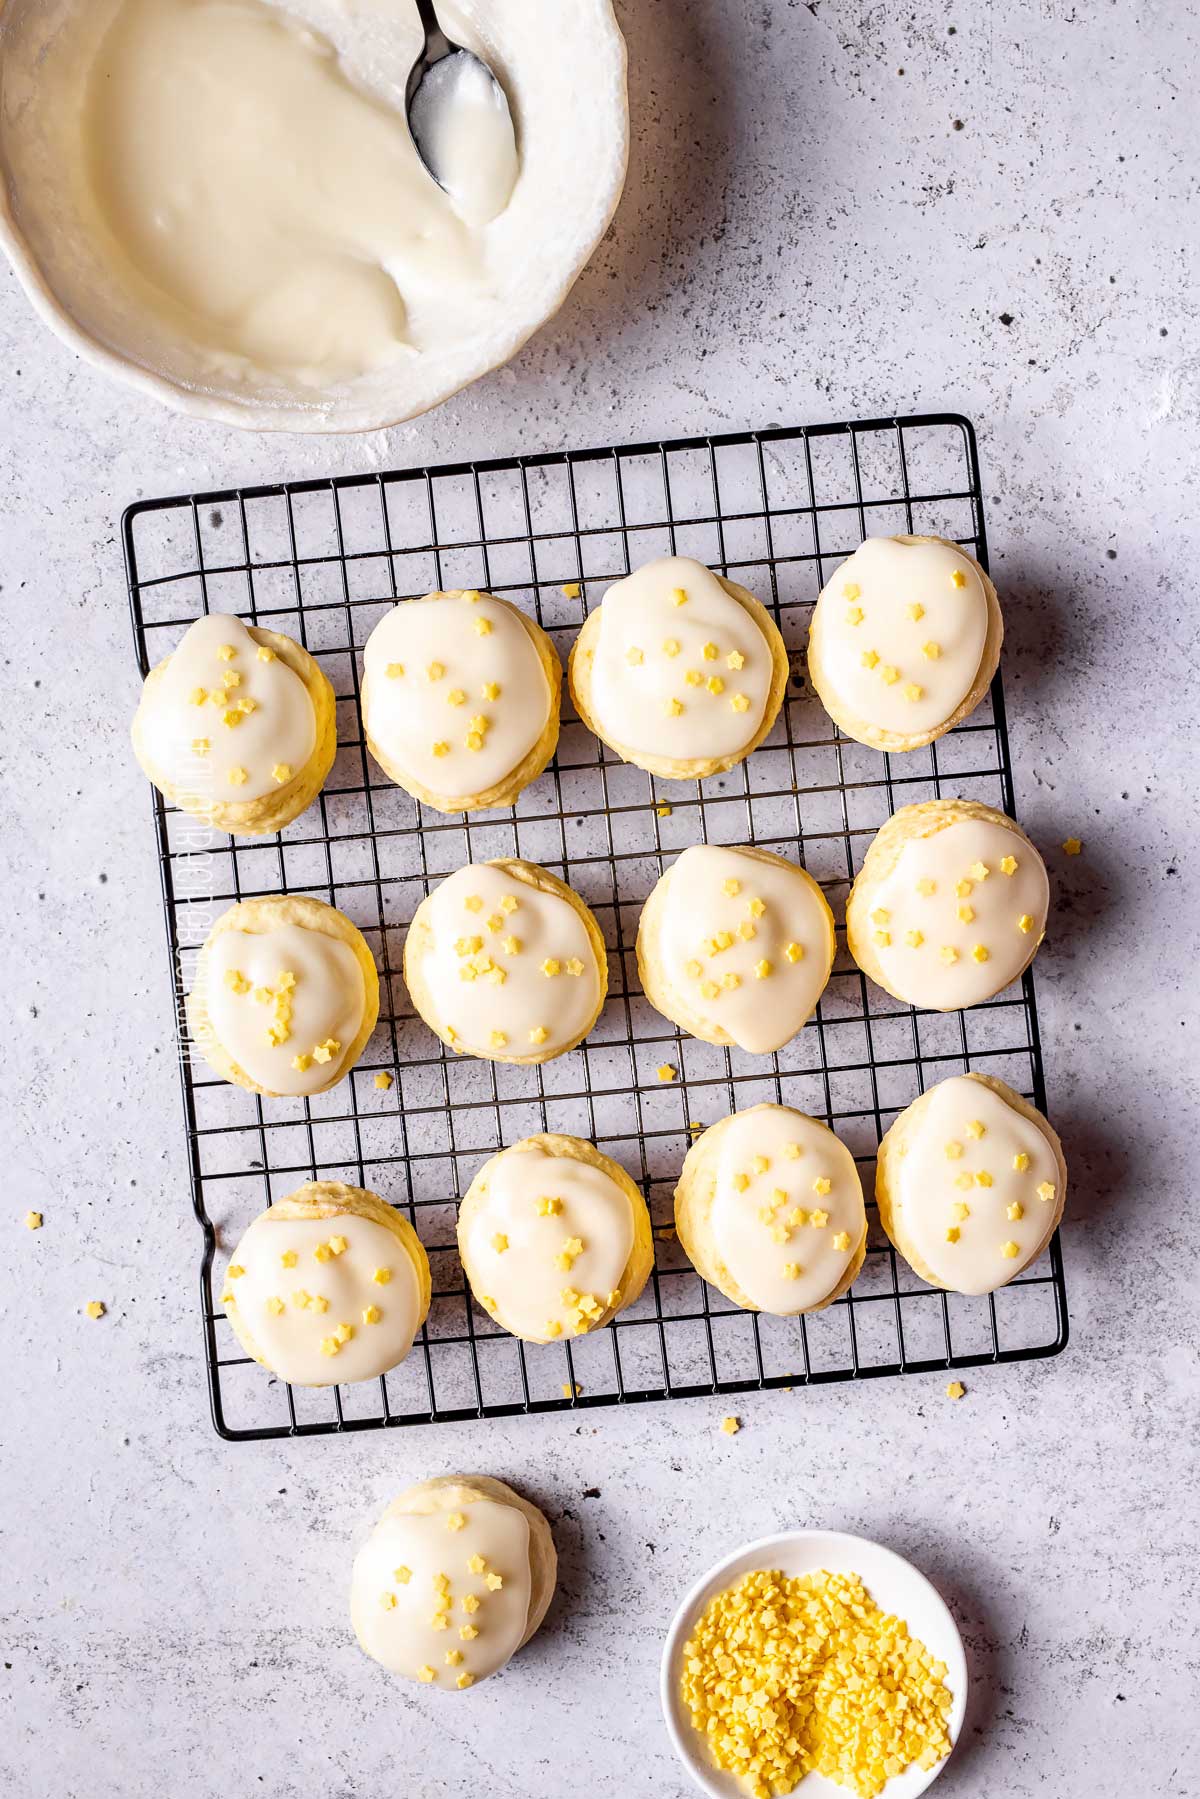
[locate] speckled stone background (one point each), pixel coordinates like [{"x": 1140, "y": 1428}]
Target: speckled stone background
[{"x": 834, "y": 209}]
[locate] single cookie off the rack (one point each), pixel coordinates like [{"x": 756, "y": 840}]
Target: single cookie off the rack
[
  {"x": 505, "y": 962},
  {"x": 678, "y": 670},
  {"x": 237, "y": 726},
  {"x": 950, "y": 904},
  {"x": 971, "y": 1182},
  {"x": 455, "y": 1578},
  {"x": 554, "y": 1238},
  {"x": 735, "y": 945},
  {"x": 285, "y": 996},
  {"x": 769, "y": 1209},
  {"x": 327, "y": 1286},
  {"x": 460, "y": 699},
  {"x": 904, "y": 641}
]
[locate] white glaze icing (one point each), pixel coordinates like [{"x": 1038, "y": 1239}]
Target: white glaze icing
[
  {"x": 249, "y": 1004},
  {"x": 769, "y": 914},
  {"x": 412, "y": 1563},
  {"x": 263, "y": 203},
  {"x": 937, "y": 1190},
  {"x": 549, "y": 1244},
  {"x": 511, "y": 971},
  {"x": 894, "y": 671},
  {"x": 291, "y": 1309},
  {"x": 653, "y": 655},
  {"x": 928, "y": 940},
  {"x": 787, "y": 1225},
  {"x": 461, "y": 674},
  {"x": 466, "y": 133},
  {"x": 209, "y": 717}
]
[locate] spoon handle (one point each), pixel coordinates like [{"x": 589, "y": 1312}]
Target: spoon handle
[{"x": 437, "y": 44}]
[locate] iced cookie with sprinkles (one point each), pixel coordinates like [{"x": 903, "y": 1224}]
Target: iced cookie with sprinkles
[
  {"x": 970, "y": 1184},
  {"x": 285, "y": 996},
  {"x": 237, "y": 726},
  {"x": 326, "y": 1286},
  {"x": 454, "y": 1579},
  {"x": 769, "y": 1209},
  {"x": 460, "y": 699},
  {"x": 904, "y": 641},
  {"x": 504, "y": 961},
  {"x": 554, "y": 1238},
  {"x": 678, "y": 670},
  {"x": 949, "y": 906},
  {"x": 735, "y": 946}
]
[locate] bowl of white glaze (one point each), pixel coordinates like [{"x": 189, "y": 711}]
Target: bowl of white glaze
[
  {"x": 362, "y": 300},
  {"x": 894, "y": 1585}
]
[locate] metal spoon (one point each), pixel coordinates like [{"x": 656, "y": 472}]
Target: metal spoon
[{"x": 449, "y": 85}]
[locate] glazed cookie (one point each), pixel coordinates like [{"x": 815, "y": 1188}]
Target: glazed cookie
[
  {"x": 237, "y": 726},
  {"x": 502, "y": 960},
  {"x": 679, "y": 670},
  {"x": 454, "y": 1579},
  {"x": 460, "y": 699},
  {"x": 970, "y": 1184},
  {"x": 285, "y": 996},
  {"x": 904, "y": 641},
  {"x": 554, "y": 1238},
  {"x": 949, "y": 906},
  {"x": 735, "y": 946},
  {"x": 328, "y": 1285},
  {"x": 769, "y": 1208}
]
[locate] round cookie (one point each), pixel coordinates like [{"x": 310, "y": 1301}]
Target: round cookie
[
  {"x": 460, "y": 699},
  {"x": 327, "y": 1286},
  {"x": 678, "y": 670},
  {"x": 949, "y": 906},
  {"x": 904, "y": 641},
  {"x": 769, "y": 1209},
  {"x": 554, "y": 1238},
  {"x": 454, "y": 1579},
  {"x": 237, "y": 726},
  {"x": 504, "y": 961},
  {"x": 735, "y": 946},
  {"x": 285, "y": 996},
  {"x": 970, "y": 1184}
]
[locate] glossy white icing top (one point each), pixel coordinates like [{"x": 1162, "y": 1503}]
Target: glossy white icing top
[
  {"x": 443, "y": 1597},
  {"x": 787, "y": 1214},
  {"x": 746, "y": 943},
  {"x": 511, "y": 971},
  {"x": 320, "y": 1313},
  {"x": 282, "y": 997},
  {"x": 227, "y": 719},
  {"x": 683, "y": 678},
  {"x": 977, "y": 1188},
  {"x": 456, "y": 694},
  {"x": 956, "y": 919},
  {"x": 902, "y": 630},
  {"x": 549, "y": 1244}
]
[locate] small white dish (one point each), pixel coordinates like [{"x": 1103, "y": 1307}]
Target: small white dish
[{"x": 895, "y": 1586}]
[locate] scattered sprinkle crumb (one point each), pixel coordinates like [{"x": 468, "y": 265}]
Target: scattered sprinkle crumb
[
  {"x": 95, "y": 1308},
  {"x": 571, "y": 1392},
  {"x": 33, "y": 1221},
  {"x": 731, "y": 1426},
  {"x": 664, "y": 811},
  {"x": 1072, "y": 846},
  {"x": 955, "y": 1390},
  {"x": 383, "y": 1082},
  {"x": 571, "y": 590},
  {"x": 667, "y": 1073}
]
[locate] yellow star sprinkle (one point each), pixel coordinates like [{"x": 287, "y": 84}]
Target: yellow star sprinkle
[
  {"x": 330, "y": 1346},
  {"x": 983, "y": 1178},
  {"x": 474, "y": 740},
  {"x": 953, "y": 1151},
  {"x": 960, "y": 1211},
  {"x": 1072, "y": 846},
  {"x": 394, "y": 670},
  {"x": 762, "y": 969},
  {"x": 634, "y": 656},
  {"x": 275, "y": 1306},
  {"x": 238, "y": 777},
  {"x": 931, "y": 651},
  {"x": 741, "y": 1182},
  {"x": 383, "y": 1081},
  {"x": 854, "y": 615},
  {"x": 957, "y": 578},
  {"x": 235, "y": 1271},
  {"x": 440, "y": 748},
  {"x": 281, "y": 772},
  {"x": 672, "y": 708},
  {"x": 915, "y": 611},
  {"x": 470, "y": 1602},
  {"x": 371, "y": 1314},
  {"x": 851, "y": 590},
  {"x": 869, "y": 658},
  {"x": 791, "y": 1271},
  {"x": 435, "y": 671},
  {"x": 792, "y": 1152},
  {"x": 1020, "y": 1161},
  {"x": 538, "y": 1034},
  {"x": 914, "y": 939},
  {"x": 200, "y": 746},
  {"x": 456, "y": 697},
  {"x": 468, "y": 1632},
  {"x": 666, "y": 1072},
  {"x": 756, "y": 907},
  {"x": 465, "y": 1680},
  {"x": 549, "y": 1208},
  {"x": 740, "y": 703},
  {"x": 715, "y": 684},
  {"x": 731, "y": 1426},
  {"x": 426, "y": 1673},
  {"x": 1046, "y": 1190},
  {"x": 761, "y": 1164},
  {"x": 980, "y": 871},
  {"x": 227, "y": 652},
  {"x": 709, "y": 989},
  {"x": 301, "y": 1064},
  {"x": 670, "y": 646},
  {"x": 473, "y": 903},
  {"x": 735, "y": 660},
  {"x": 952, "y": 1233},
  {"x": 571, "y": 590},
  {"x": 402, "y": 1575},
  {"x": 231, "y": 679},
  {"x": 198, "y": 696},
  {"x": 966, "y": 913},
  {"x": 842, "y": 1241},
  {"x": 980, "y": 953},
  {"x": 497, "y": 1040},
  {"x": 1015, "y": 1211},
  {"x": 965, "y": 1181},
  {"x": 913, "y": 693},
  {"x": 925, "y": 886},
  {"x": 1008, "y": 865},
  {"x": 883, "y": 938},
  {"x": 822, "y": 1184},
  {"x": 1025, "y": 923},
  {"x": 509, "y": 903},
  {"x": 678, "y": 597},
  {"x": 693, "y": 677},
  {"x": 948, "y": 954},
  {"x": 482, "y": 627},
  {"x": 552, "y": 1328},
  {"x": 889, "y": 674},
  {"x": 456, "y": 1521},
  {"x": 382, "y": 1276},
  {"x": 95, "y": 1308},
  {"x": 493, "y": 1582},
  {"x": 1009, "y": 1251},
  {"x": 976, "y": 1128},
  {"x": 453, "y": 1657},
  {"x": 955, "y": 1389},
  {"x": 794, "y": 952},
  {"x": 551, "y": 966},
  {"x": 880, "y": 915}
]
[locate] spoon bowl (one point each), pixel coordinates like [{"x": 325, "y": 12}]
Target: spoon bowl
[{"x": 461, "y": 124}]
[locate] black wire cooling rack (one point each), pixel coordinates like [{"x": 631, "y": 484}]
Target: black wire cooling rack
[{"x": 322, "y": 561}]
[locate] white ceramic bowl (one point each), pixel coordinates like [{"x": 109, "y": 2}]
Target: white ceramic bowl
[
  {"x": 564, "y": 69},
  {"x": 895, "y": 1586}
]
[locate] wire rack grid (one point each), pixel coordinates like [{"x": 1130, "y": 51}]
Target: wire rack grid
[{"x": 323, "y": 561}]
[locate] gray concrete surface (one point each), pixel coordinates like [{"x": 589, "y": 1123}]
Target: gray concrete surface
[{"x": 833, "y": 210}]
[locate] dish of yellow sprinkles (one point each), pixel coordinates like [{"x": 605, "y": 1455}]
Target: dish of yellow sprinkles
[{"x": 787, "y": 1676}]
